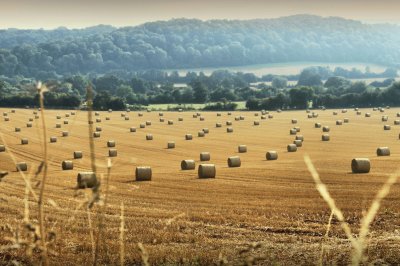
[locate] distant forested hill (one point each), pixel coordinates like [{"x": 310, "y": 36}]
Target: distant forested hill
[{"x": 184, "y": 43}]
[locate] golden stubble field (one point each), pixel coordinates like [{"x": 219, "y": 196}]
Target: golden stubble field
[{"x": 265, "y": 212}]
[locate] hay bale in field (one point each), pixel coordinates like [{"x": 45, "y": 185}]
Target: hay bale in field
[
  {"x": 218, "y": 125},
  {"x": 241, "y": 117},
  {"x": 228, "y": 123},
  {"x": 255, "y": 114},
  {"x": 263, "y": 117},
  {"x": 317, "y": 125},
  {"x": 325, "y": 137},
  {"x": 346, "y": 120},
  {"x": 293, "y": 131},
  {"x": 180, "y": 110},
  {"x": 171, "y": 145},
  {"x": 22, "y": 166},
  {"x": 367, "y": 114},
  {"x": 188, "y": 165},
  {"x": 308, "y": 111},
  {"x": 229, "y": 113},
  {"x": 334, "y": 113},
  {"x": 66, "y": 122},
  {"x": 180, "y": 119},
  {"x": 360, "y": 165},
  {"x": 53, "y": 139},
  {"x": 108, "y": 118},
  {"x": 207, "y": 171},
  {"x": 111, "y": 143},
  {"x": 309, "y": 116},
  {"x": 234, "y": 161},
  {"x": 73, "y": 113},
  {"x": 143, "y": 173},
  {"x": 160, "y": 114},
  {"x": 87, "y": 180},
  {"x": 90, "y": 122},
  {"x": 58, "y": 125},
  {"x": 36, "y": 117},
  {"x": 17, "y": 129},
  {"x": 315, "y": 115},
  {"x": 78, "y": 154},
  {"x": 149, "y": 137},
  {"x": 200, "y": 134},
  {"x": 24, "y": 141},
  {"x": 242, "y": 148},
  {"x": 344, "y": 111},
  {"x": 142, "y": 125},
  {"x": 398, "y": 114},
  {"x": 66, "y": 115},
  {"x": 237, "y": 118},
  {"x": 202, "y": 118},
  {"x": 123, "y": 114},
  {"x": 170, "y": 122},
  {"x": 148, "y": 123},
  {"x": 339, "y": 122},
  {"x": 396, "y": 122},
  {"x": 64, "y": 133},
  {"x": 140, "y": 114},
  {"x": 291, "y": 148},
  {"x": 229, "y": 130},
  {"x": 358, "y": 113},
  {"x": 58, "y": 116},
  {"x": 34, "y": 112},
  {"x": 67, "y": 165},
  {"x": 188, "y": 137},
  {"x": 28, "y": 124},
  {"x": 96, "y": 113},
  {"x": 128, "y": 110},
  {"x": 271, "y": 155},
  {"x": 127, "y": 118},
  {"x": 279, "y": 111},
  {"x": 110, "y": 110},
  {"x": 218, "y": 114},
  {"x": 298, "y": 143},
  {"x": 325, "y": 129},
  {"x": 162, "y": 119},
  {"x": 99, "y": 129},
  {"x": 205, "y": 156},
  {"x": 383, "y": 151},
  {"x": 198, "y": 114},
  {"x": 132, "y": 129},
  {"x": 356, "y": 109},
  {"x": 294, "y": 121},
  {"x": 13, "y": 111},
  {"x": 194, "y": 116},
  {"x": 300, "y": 137},
  {"x": 112, "y": 153},
  {"x": 386, "y": 127},
  {"x": 297, "y": 129},
  {"x": 206, "y": 130},
  {"x": 6, "y": 119},
  {"x": 96, "y": 134},
  {"x": 385, "y": 118},
  {"x": 30, "y": 119},
  {"x": 2, "y": 148},
  {"x": 256, "y": 123}
]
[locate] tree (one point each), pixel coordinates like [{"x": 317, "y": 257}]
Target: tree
[
  {"x": 299, "y": 97},
  {"x": 279, "y": 82},
  {"x": 200, "y": 92},
  {"x": 309, "y": 77}
]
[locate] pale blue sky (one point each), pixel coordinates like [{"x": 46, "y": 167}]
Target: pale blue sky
[{"x": 84, "y": 13}]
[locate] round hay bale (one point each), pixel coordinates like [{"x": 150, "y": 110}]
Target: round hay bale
[
  {"x": 202, "y": 118},
  {"x": 198, "y": 114},
  {"x": 241, "y": 117},
  {"x": 383, "y": 151},
  {"x": 194, "y": 116},
  {"x": 2, "y": 148},
  {"x": 385, "y": 118},
  {"x": 315, "y": 115},
  {"x": 96, "y": 113},
  {"x": 110, "y": 110},
  {"x": 123, "y": 115},
  {"x": 67, "y": 165},
  {"x": 36, "y": 117},
  {"x": 66, "y": 115},
  {"x": 294, "y": 121},
  {"x": 171, "y": 145},
  {"x": 200, "y": 134},
  {"x": 325, "y": 137},
  {"x": 255, "y": 114},
  {"x": 299, "y": 137},
  {"x": 99, "y": 129},
  {"x": 386, "y": 127},
  {"x": 30, "y": 119},
  {"x": 78, "y": 155},
  {"x": 188, "y": 165},
  {"x": 218, "y": 125},
  {"x": 356, "y": 109},
  {"x": 344, "y": 111},
  {"x": 293, "y": 131},
  {"x": 180, "y": 119},
  {"x": 346, "y": 120},
  {"x": 298, "y": 143},
  {"x": 271, "y": 155},
  {"x": 143, "y": 173},
  {"x": 162, "y": 120},
  {"x": 237, "y": 118},
  {"x": 58, "y": 116},
  {"x": 339, "y": 122},
  {"x": 358, "y": 113},
  {"x": 160, "y": 114},
  {"x": 126, "y": 118},
  {"x": 270, "y": 116},
  {"x": 218, "y": 114},
  {"x": 13, "y": 111},
  {"x": 188, "y": 137},
  {"x": 132, "y": 129},
  {"x": 28, "y": 124},
  {"x": 367, "y": 114},
  {"x": 17, "y": 129},
  {"x": 6, "y": 119},
  {"x": 256, "y": 123},
  {"x": 205, "y": 156},
  {"x": 108, "y": 118},
  {"x": 111, "y": 143},
  {"x": 334, "y": 113},
  {"x": 398, "y": 114},
  {"x": 291, "y": 148},
  {"x": 317, "y": 125},
  {"x": 149, "y": 137},
  {"x": 22, "y": 166},
  {"x": 90, "y": 122},
  {"x": 58, "y": 125},
  {"x": 140, "y": 114},
  {"x": 263, "y": 117},
  {"x": 170, "y": 122},
  {"x": 66, "y": 122},
  {"x": 360, "y": 165},
  {"x": 96, "y": 134},
  {"x": 112, "y": 153},
  {"x": 148, "y": 123},
  {"x": 229, "y": 130},
  {"x": 86, "y": 180},
  {"x": 207, "y": 171},
  {"x": 325, "y": 129},
  {"x": 53, "y": 139},
  {"x": 309, "y": 116},
  {"x": 279, "y": 111},
  {"x": 228, "y": 123},
  {"x": 234, "y": 161},
  {"x": 148, "y": 110},
  {"x": 142, "y": 125},
  {"x": 297, "y": 129},
  {"x": 242, "y": 148},
  {"x": 24, "y": 141},
  {"x": 396, "y": 122},
  {"x": 128, "y": 110},
  {"x": 73, "y": 113},
  {"x": 206, "y": 130}
]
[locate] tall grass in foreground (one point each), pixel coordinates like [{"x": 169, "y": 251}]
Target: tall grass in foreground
[{"x": 358, "y": 244}]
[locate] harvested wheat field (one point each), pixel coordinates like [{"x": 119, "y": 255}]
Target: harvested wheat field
[{"x": 263, "y": 212}]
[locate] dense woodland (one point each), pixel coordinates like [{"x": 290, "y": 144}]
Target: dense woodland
[{"x": 128, "y": 66}]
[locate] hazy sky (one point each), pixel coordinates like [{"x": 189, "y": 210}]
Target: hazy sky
[{"x": 83, "y": 13}]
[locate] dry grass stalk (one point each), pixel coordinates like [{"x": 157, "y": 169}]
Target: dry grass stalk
[
  {"x": 328, "y": 228},
  {"x": 144, "y": 254},
  {"x": 122, "y": 236}
]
